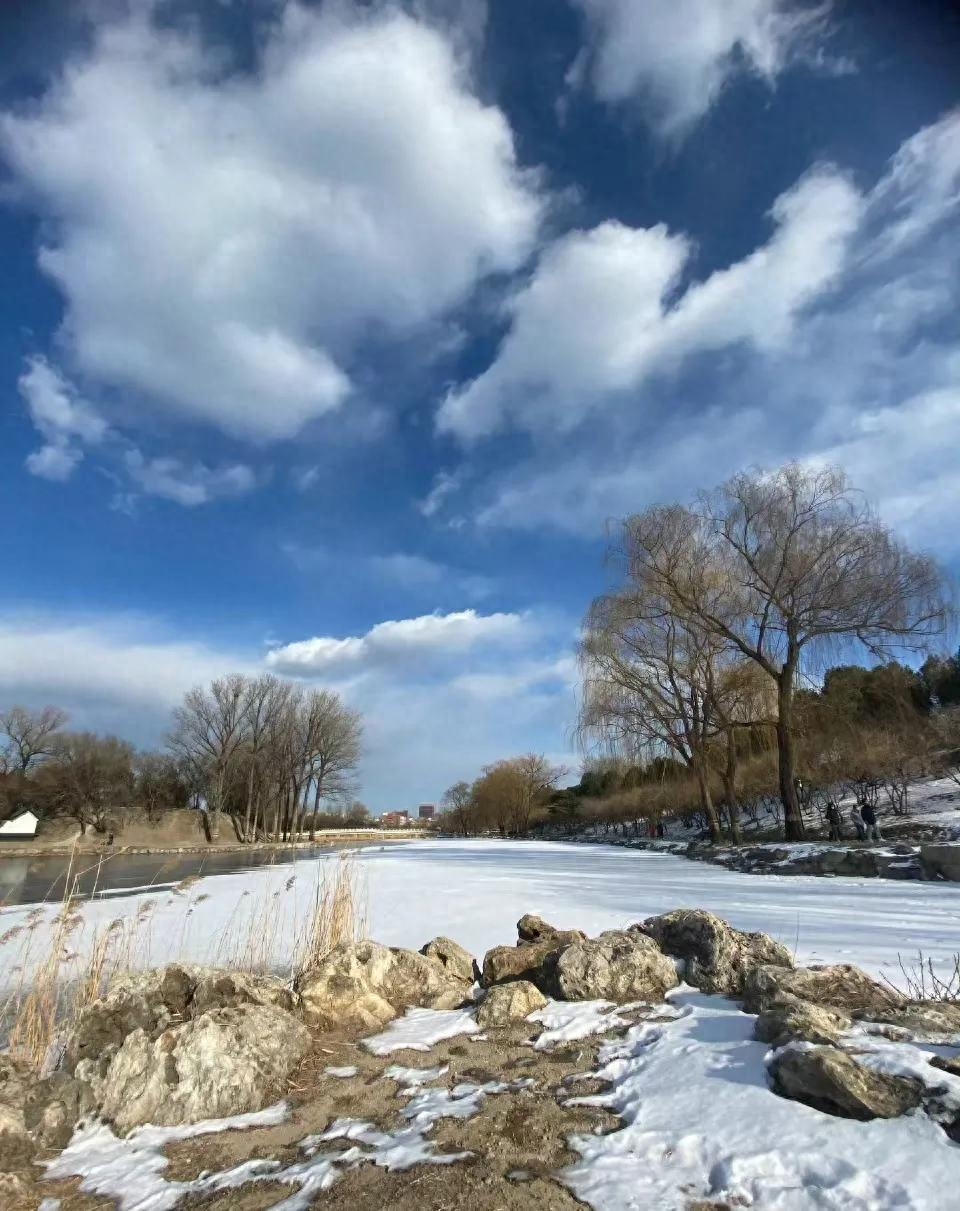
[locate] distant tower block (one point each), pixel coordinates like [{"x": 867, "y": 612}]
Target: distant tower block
[{"x": 426, "y": 811}]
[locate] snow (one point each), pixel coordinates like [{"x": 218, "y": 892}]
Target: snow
[
  {"x": 475, "y": 891},
  {"x": 701, "y": 1123},
  {"x": 344, "y": 1073},
  {"x": 419, "y": 1029},
  {"x": 567, "y": 1021}
]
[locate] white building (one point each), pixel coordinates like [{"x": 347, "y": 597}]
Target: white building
[{"x": 20, "y": 828}]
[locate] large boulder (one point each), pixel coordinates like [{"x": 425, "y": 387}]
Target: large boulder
[
  {"x": 225, "y": 1062},
  {"x": 831, "y": 1080},
  {"x": 716, "y": 956},
  {"x": 941, "y": 861},
  {"x": 839, "y": 986},
  {"x": 533, "y": 961},
  {"x": 154, "y": 1000},
  {"x": 505, "y": 1004},
  {"x": 531, "y": 928},
  {"x": 457, "y": 962},
  {"x": 790, "y": 1020},
  {"x": 616, "y": 966},
  {"x": 363, "y": 985},
  {"x": 17, "y": 1147}
]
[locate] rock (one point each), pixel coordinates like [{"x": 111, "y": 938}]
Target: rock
[
  {"x": 54, "y": 1106},
  {"x": 227, "y": 1061},
  {"x": 841, "y": 986},
  {"x": 17, "y": 1148},
  {"x": 616, "y": 966},
  {"x": 716, "y": 956},
  {"x": 154, "y": 1000},
  {"x": 923, "y": 1021},
  {"x": 791, "y": 1020},
  {"x": 452, "y": 957},
  {"x": 941, "y": 861},
  {"x": 11, "y": 1187},
  {"x": 951, "y": 1066},
  {"x": 533, "y": 961},
  {"x": 831, "y": 1080},
  {"x": 507, "y": 1003},
  {"x": 363, "y": 985},
  {"x": 531, "y": 928}
]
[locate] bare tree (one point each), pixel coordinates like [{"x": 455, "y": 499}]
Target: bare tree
[
  {"x": 91, "y": 779},
  {"x": 333, "y": 740},
  {"x": 31, "y": 736},
  {"x": 508, "y": 792},
  {"x": 455, "y": 805},
  {"x": 209, "y": 732},
  {"x": 781, "y": 564}
]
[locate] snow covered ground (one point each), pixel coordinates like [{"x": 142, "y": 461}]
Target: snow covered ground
[{"x": 474, "y": 891}]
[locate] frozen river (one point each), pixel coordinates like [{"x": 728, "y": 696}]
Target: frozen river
[{"x": 474, "y": 891}]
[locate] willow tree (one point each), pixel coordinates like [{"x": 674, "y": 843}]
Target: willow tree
[{"x": 783, "y": 564}]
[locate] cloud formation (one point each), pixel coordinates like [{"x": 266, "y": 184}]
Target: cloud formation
[
  {"x": 598, "y": 318},
  {"x": 224, "y": 239},
  {"x": 410, "y": 641},
  {"x": 62, "y": 417},
  {"x": 675, "y": 56}
]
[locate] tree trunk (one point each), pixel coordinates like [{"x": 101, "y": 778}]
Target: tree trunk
[
  {"x": 706, "y": 799},
  {"x": 792, "y": 816},
  {"x": 730, "y": 790}
]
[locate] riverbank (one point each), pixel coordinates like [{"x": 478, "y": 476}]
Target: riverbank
[{"x": 99, "y": 847}]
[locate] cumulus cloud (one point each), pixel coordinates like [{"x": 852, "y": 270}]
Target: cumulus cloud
[
  {"x": 554, "y": 367},
  {"x": 676, "y": 56},
  {"x": 869, "y": 377},
  {"x": 61, "y": 416},
  {"x": 224, "y": 239},
  {"x": 389, "y": 645}
]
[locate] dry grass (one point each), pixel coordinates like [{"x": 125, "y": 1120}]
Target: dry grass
[
  {"x": 59, "y": 966},
  {"x": 922, "y": 982}
]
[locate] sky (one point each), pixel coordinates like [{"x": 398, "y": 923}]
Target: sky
[{"x": 335, "y": 336}]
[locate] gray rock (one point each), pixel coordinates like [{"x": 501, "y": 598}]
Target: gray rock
[
  {"x": 452, "y": 957},
  {"x": 716, "y": 956},
  {"x": 840, "y": 986},
  {"x": 227, "y": 1061},
  {"x": 507, "y": 1003},
  {"x": 12, "y": 1187},
  {"x": 17, "y": 1148},
  {"x": 941, "y": 861},
  {"x": 791, "y": 1020},
  {"x": 363, "y": 985},
  {"x": 616, "y": 966},
  {"x": 831, "y": 1080},
  {"x": 54, "y": 1106}
]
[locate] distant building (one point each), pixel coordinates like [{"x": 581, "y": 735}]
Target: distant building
[
  {"x": 20, "y": 828},
  {"x": 394, "y": 820},
  {"x": 426, "y": 811}
]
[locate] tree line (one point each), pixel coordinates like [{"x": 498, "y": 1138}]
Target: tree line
[{"x": 276, "y": 759}]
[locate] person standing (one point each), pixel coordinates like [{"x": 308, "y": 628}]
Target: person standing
[
  {"x": 835, "y": 821},
  {"x": 858, "y": 824},
  {"x": 869, "y": 815}
]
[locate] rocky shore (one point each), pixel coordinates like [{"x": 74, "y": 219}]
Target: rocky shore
[{"x": 191, "y": 1086}]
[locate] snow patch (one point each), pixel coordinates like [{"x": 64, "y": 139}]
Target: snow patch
[
  {"x": 344, "y": 1073},
  {"x": 567, "y": 1021},
  {"x": 420, "y": 1029}
]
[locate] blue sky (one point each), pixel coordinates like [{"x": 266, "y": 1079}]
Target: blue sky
[{"x": 332, "y": 335}]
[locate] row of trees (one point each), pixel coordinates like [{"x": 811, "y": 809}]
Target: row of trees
[
  {"x": 275, "y": 758},
  {"x": 724, "y": 608},
  {"x": 507, "y": 798}
]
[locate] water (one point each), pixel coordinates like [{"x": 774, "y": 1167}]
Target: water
[{"x": 30, "y": 880}]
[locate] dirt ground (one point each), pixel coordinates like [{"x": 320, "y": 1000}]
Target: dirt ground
[{"x": 517, "y": 1141}]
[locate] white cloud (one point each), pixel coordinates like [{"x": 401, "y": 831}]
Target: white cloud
[
  {"x": 869, "y": 377},
  {"x": 187, "y": 484},
  {"x": 404, "y": 643},
  {"x": 555, "y": 365},
  {"x": 675, "y": 56},
  {"x": 445, "y": 484},
  {"x": 223, "y": 240},
  {"x": 125, "y": 674},
  {"x": 61, "y": 416}
]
